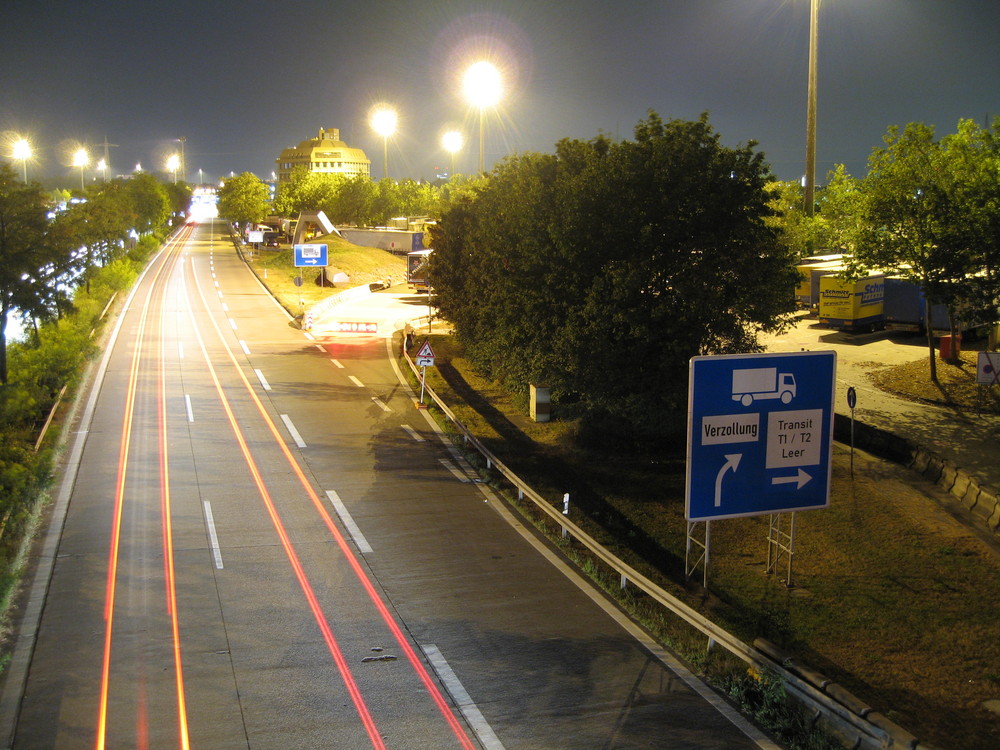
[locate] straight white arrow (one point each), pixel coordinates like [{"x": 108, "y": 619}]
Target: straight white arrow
[
  {"x": 732, "y": 461},
  {"x": 801, "y": 478}
]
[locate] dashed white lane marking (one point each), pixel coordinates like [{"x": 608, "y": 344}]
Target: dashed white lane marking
[
  {"x": 245, "y": 348},
  {"x": 187, "y": 404},
  {"x": 461, "y": 697},
  {"x": 293, "y": 432},
  {"x": 413, "y": 433},
  {"x": 337, "y": 363},
  {"x": 356, "y": 382},
  {"x": 381, "y": 404},
  {"x": 459, "y": 475},
  {"x": 348, "y": 521},
  {"x": 263, "y": 381},
  {"x": 232, "y": 323},
  {"x": 212, "y": 536}
]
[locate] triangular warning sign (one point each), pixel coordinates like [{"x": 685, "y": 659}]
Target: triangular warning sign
[{"x": 426, "y": 351}]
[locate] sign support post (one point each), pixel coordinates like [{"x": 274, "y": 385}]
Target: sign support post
[{"x": 705, "y": 543}]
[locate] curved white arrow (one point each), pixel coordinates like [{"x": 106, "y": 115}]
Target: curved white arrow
[
  {"x": 800, "y": 479},
  {"x": 732, "y": 462}
]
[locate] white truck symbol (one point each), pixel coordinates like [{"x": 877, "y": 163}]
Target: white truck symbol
[{"x": 762, "y": 382}]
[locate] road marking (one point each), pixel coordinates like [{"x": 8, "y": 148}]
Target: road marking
[
  {"x": 293, "y": 432},
  {"x": 337, "y": 364},
  {"x": 243, "y": 346},
  {"x": 462, "y": 698},
  {"x": 212, "y": 536},
  {"x": 225, "y": 307},
  {"x": 381, "y": 404},
  {"x": 308, "y": 335},
  {"x": 262, "y": 379},
  {"x": 356, "y": 382},
  {"x": 413, "y": 433},
  {"x": 232, "y": 323},
  {"x": 454, "y": 470},
  {"x": 216, "y": 284},
  {"x": 352, "y": 528},
  {"x": 190, "y": 411},
  {"x": 180, "y": 349},
  {"x": 321, "y": 348}
]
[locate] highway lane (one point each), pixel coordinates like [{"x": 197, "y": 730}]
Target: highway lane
[{"x": 300, "y": 564}]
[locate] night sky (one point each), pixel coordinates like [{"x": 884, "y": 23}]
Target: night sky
[{"x": 242, "y": 80}]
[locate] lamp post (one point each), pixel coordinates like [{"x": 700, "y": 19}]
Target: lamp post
[
  {"x": 173, "y": 162},
  {"x": 482, "y": 87},
  {"x": 81, "y": 159},
  {"x": 452, "y": 142},
  {"x": 22, "y": 151},
  {"x": 810, "y": 186},
  {"x": 383, "y": 121}
]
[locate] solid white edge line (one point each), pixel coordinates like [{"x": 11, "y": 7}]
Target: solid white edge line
[
  {"x": 588, "y": 588},
  {"x": 413, "y": 433},
  {"x": 292, "y": 431},
  {"x": 212, "y": 535},
  {"x": 462, "y": 698},
  {"x": 244, "y": 347},
  {"x": 348, "y": 521},
  {"x": 187, "y": 404},
  {"x": 263, "y": 381},
  {"x": 381, "y": 404},
  {"x": 356, "y": 382},
  {"x": 454, "y": 470},
  {"x": 16, "y": 672}
]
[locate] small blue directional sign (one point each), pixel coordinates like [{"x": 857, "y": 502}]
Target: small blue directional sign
[
  {"x": 760, "y": 434},
  {"x": 310, "y": 255}
]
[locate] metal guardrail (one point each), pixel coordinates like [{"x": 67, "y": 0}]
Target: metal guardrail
[{"x": 849, "y": 718}]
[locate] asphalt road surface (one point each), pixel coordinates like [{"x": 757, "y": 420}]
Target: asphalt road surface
[{"x": 258, "y": 542}]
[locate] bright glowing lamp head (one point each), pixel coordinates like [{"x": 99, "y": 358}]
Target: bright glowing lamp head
[
  {"x": 102, "y": 165},
  {"x": 452, "y": 141},
  {"x": 383, "y": 121},
  {"x": 482, "y": 84},
  {"x": 81, "y": 158},
  {"x": 21, "y": 149},
  {"x": 173, "y": 163}
]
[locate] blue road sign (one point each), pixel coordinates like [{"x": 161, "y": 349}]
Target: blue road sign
[
  {"x": 310, "y": 255},
  {"x": 760, "y": 434}
]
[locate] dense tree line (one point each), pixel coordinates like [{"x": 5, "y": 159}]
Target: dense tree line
[
  {"x": 58, "y": 270},
  {"x": 601, "y": 269},
  {"x": 355, "y": 200}
]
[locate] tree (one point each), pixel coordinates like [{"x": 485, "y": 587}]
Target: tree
[
  {"x": 150, "y": 201},
  {"x": 26, "y": 254},
  {"x": 600, "y": 270},
  {"x": 915, "y": 218},
  {"x": 243, "y": 199}
]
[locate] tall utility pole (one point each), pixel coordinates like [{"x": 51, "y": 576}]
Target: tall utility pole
[
  {"x": 810, "y": 197},
  {"x": 184, "y": 174},
  {"x": 107, "y": 155}
]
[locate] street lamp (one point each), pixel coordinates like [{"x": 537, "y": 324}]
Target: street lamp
[
  {"x": 201, "y": 179},
  {"x": 173, "y": 163},
  {"x": 452, "y": 142},
  {"x": 383, "y": 121},
  {"x": 81, "y": 159},
  {"x": 482, "y": 87},
  {"x": 810, "y": 187},
  {"x": 22, "y": 150},
  {"x": 102, "y": 166}
]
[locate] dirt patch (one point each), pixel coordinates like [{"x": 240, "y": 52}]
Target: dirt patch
[{"x": 956, "y": 385}]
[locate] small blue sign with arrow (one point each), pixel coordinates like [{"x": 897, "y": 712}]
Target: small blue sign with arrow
[{"x": 310, "y": 255}]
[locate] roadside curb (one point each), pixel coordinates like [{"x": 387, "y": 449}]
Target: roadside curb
[{"x": 981, "y": 502}]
